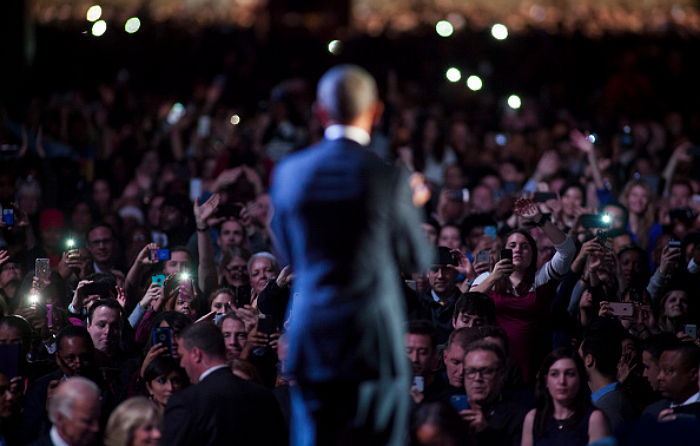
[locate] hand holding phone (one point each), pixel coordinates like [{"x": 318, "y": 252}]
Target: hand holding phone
[
  {"x": 459, "y": 402},
  {"x": 621, "y": 309},
  {"x": 164, "y": 336}
]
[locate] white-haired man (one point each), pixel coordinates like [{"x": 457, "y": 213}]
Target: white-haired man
[{"x": 74, "y": 410}]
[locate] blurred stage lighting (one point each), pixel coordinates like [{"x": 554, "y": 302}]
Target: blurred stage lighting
[
  {"x": 499, "y": 31},
  {"x": 335, "y": 46},
  {"x": 94, "y": 13},
  {"x": 474, "y": 83},
  {"x": 235, "y": 120},
  {"x": 453, "y": 74},
  {"x": 514, "y": 101},
  {"x": 99, "y": 28},
  {"x": 444, "y": 28},
  {"x": 132, "y": 25}
]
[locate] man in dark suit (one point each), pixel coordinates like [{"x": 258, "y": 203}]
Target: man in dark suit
[
  {"x": 74, "y": 410},
  {"x": 221, "y": 409},
  {"x": 678, "y": 380},
  {"x": 345, "y": 221}
]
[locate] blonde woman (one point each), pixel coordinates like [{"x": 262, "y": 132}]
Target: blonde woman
[
  {"x": 135, "y": 422},
  {"x": 638, "y": 198}
]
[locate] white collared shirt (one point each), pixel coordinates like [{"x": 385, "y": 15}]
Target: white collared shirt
[
  {"x": 56, "y": 438},
  {"x": 693, "y": 399},
  {"x": 337, "y": 131},
  {"x": 210, "y": 370}
]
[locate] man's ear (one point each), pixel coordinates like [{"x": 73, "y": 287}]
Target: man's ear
[
  {"x": 589, "y": 361},
  {"x": 321, "y": 114},
  {"x": 196, "y": 355},
  {"x": 378, "y": 112}
]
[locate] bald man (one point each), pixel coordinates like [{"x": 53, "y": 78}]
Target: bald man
[{"x": 346, "y": 223}]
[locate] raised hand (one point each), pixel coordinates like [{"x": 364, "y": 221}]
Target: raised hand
[{"x": 203, "y": 212}]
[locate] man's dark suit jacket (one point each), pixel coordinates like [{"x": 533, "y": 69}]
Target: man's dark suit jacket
[
  {"x": 43, "y": 441},
  {"x": 223, "y": 409}
]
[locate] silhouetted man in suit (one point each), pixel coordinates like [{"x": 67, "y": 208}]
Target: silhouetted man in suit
[
  {"x": 221, "y": 409},
  {"x": 345, "y": 221}
]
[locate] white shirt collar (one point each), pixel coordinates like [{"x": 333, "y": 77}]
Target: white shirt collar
[
  {"x": 56, "y": 438},
  {"x": 210, "y": 370},
  {"x": 693, "y": 399},
  {"x": 337, "y": 131}
]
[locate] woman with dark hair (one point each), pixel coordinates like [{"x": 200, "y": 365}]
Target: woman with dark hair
[
  {"x": 522, "y": 293},
  {"x": 573, "y": 199},
  {"x": 162, "y": 377},
  {"x": 563, "y": 414}
]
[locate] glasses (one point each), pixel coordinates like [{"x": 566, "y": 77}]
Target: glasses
[{"x": 486, "y": 372}]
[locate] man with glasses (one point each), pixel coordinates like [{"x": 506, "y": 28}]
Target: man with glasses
[
  {"x": 100, "y": 244},
  {"x": 492, "y": 419},
  {"x": 75, "y": 356}
]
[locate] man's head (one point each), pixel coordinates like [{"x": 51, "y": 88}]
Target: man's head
[
  {"x": 10, "y": 271},
  {"x": 678, "y": 372},
  {"x": 16, "y": 330},
  {"x": 453, "y": 356},
  {"x": 100, "y": 243},
  {"x": 235, "y": 335},
  {"x": 74, "y": 409},
  {"x": 680, "y": 193},
  {"x": 175, "y": 213},
  {"x": 484, "y": 372},
  {"x": 231, "y": 234},
  {"x": 421, "y": 348},
  {"x": 104, "y": 324},
  {"x": 653, "y": 347},
  {"x": 602, "y": 347},
  {"x": 442, "y": 276},
  {"x": 347, "y": 94},
  {"x": 474, "y": 310},
  {"x": 180, "y": 260},
  {"x": 201, "y": 346},
  {"x": 75, "y": 352}
]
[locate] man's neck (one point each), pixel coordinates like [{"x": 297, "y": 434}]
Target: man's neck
[
  {"x": 597, "y": 381},
  {"x": 208, "y": 366}
]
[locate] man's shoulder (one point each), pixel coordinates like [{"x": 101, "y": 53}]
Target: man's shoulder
[
  {"x": 42, "y": 441},
  {"x": 653, "y": 409}
]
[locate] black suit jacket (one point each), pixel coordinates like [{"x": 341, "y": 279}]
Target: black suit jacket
[
  {"x": 224, "y": 410},
  {"x": 43, "y": 441}
]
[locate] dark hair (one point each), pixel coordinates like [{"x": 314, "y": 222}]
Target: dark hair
[
  {"x": 494, "y": 331},
  {"x": 160, "y": 366},
  {"x": 659, "y": 343},
  {"x": 690, "y": 354},
  {"x": 479, "y": 304},
  {"x": 488, "y": 347},
  {"x": 543, "y": 399},
  {"x": 603, "y": 340},
  {"x": 422, "y": 327},
  {"x": 443, "y": 417},
  {"x": 74, "y": 331},
  {"x": 576, "y": 185},
  {"x": 100, "y": 224},
  {"x": 21, "y": 325},
  {"x": 503, "y": 286},
  {"x": 109, "y": 303},
  {"x": 205, "y": 336},
  {"x": 463, "y": 336}
]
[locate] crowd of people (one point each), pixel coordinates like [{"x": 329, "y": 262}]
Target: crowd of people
[{"x": 136, "y": 259}]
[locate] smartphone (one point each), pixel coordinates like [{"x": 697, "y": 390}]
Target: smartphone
[
  {"x": 675, "y": 244},
  {"x": 158, "y": 255},
  {"x": 266, "y": 324},
  {"x": 458, "y": 195},
  {"x": 42, "y": 269},
  {"x": 176, "y": 112},
  {"x": 10, "y": 359},
  {"x": 229, "y": 210},
  {"x": 691, "y": 330},
  {"x": 163, "y": 335},
  {"x": 8, "y": 217},
  {"x": 195, "y": 188},
  {"x": 541, "y": 197},
  {"x": 507, "y": 254},
  {"x": 158, "y": 279},
  {"x": 419, "y": 383},
  {"x": 459, "y": 402},
  {"x": 621, "y": 308},
  {"x": 491, "y": 231},
  {"x": 483, "y": 256},
  {"x": 594, "y": 221}
]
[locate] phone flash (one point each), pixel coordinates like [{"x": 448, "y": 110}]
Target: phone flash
[
  {"x": 70, "y": 243},
  {"x": 33, "y": 299},
  {"x": 184, "y": 276},
  {"x": 605, "y": 218}
]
